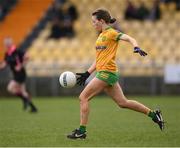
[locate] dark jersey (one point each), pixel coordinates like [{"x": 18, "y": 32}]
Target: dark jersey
[{"x": 13, "y": 60}]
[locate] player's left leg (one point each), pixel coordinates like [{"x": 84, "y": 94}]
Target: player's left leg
[
  {"x": 13, "y": 87},
  {"x": 26, "y": 96},
  {"x": 117, "y": 95},
  {"x": 92, "y": 89}
]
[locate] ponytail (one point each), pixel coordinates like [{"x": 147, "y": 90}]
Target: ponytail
[{"x": 112, "y": 20}]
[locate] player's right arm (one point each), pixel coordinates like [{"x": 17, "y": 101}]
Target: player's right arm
[
  {"x": 134, "y": 43},
  {"x": 2, "y": 64}
]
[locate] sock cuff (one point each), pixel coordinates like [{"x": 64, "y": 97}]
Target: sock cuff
[
  {"x": 152, "y": 114},
  {"x": 82, "y": 128}
]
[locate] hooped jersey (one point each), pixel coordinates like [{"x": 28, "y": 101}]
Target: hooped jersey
[{"x": 106, "y": 48}]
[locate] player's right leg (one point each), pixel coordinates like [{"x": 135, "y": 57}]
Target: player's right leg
[
  {"x": 117, "y": 94},
  {"x": 19, "y": 90},
  {"x": 92, "y": 89},
  {"x": 15, "y": 89}
]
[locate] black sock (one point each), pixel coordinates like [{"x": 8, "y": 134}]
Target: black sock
[
  {"x": 32, "y": 106},
  {"x": 26, "y": 100}
]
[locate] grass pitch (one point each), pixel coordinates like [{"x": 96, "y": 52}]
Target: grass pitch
[{"x": 108, "y": 124}]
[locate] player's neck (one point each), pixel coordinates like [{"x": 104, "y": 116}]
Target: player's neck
[{"x": 105, "y": 26}]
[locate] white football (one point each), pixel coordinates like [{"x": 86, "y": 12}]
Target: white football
[{"x": 67, "y": 79}]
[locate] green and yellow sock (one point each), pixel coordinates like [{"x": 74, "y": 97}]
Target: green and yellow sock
[
  {"x": 82, "y": 128},
  {"x": 152, "y": 114}
]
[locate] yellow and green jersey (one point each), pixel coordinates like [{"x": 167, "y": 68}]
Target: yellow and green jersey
[{"x": 106, "y": 48}]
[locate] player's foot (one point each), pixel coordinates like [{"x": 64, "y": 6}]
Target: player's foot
[
  {"x": 33, "y": 110},
  {"x": 158, "y": 119},
  {"x": 33, "y": 107},
  {"x": 76, "y": 134}
]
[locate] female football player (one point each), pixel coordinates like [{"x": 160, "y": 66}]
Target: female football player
[
  {"x": 16, "y": 60},
  {"x": 106, "y": 78}
]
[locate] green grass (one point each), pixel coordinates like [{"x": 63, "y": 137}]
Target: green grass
[{"x": 108, "y": 125}]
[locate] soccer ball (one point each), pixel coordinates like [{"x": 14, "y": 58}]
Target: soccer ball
[{"x": 67, "y": 79}]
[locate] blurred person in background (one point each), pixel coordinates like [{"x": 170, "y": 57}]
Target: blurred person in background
[
  {"x": 65, "y": 14},
  {"x": 155, "y": 12},
  {"x": 130, "y": 11},
  {"x": 16, "y": 60},
  {"x": 177, "y": 5},
  {"x": 107, "y": 75},
  {"x": 142, "y": 12}
]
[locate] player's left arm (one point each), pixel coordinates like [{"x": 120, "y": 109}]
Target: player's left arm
[{"x": 133, "y": 42}]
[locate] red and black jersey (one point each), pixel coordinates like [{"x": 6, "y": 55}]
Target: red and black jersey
[{"x": 13, "y": 57}]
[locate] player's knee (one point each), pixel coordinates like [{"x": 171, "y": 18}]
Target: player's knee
[
  {"x": 123, "y": 104},
  {"x": 24, "y": 93},
  {"x": 9, "y": 89},
  {"x": 13, "y": 90},
  {"x": 82, "y": 98}
]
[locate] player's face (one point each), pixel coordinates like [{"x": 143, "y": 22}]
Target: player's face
[
  {"x": 8, "y": 43},
  {"x": 96, "y": 23}
]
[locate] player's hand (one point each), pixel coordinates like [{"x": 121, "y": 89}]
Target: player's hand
[
  {"x": 141, "y": 52},
  {"x": 2, "y": 64},
  {"x": 82, "y": 77}
]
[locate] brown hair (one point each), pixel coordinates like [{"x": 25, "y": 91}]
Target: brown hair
[{"x": 103, "y": 14}]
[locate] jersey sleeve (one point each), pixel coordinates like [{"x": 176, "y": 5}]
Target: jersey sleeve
[{"x": 115, "y": 35}]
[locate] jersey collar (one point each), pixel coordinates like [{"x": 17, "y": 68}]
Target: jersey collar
[{"x": 109, "y": 27}]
